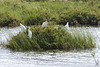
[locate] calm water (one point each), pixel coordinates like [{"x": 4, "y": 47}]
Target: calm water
[{"x": 48, "y": 59}]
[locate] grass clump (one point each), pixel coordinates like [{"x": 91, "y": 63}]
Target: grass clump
[{"x": 50, "y": 38}]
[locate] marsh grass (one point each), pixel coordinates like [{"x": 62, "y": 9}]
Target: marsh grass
[
  {"x": 51, "y": 38},
  {"x": 13, "y": 12}
]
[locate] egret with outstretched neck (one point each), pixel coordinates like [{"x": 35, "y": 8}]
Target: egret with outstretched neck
[
  {"x": 44, "y": 24},
  {"x": 67, "y": 26},
  {"x": 23, "y": 28},
  {"x": 29, "y": 33}
]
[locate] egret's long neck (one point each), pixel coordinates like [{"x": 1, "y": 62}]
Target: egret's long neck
[
  {"x": 28, "y": 29},
  {"x": 67, "y": 23}
]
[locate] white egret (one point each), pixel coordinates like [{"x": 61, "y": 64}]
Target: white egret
[
  {"x": 23, "y": 28},
  {"x": 44, "y": 24},
  {"x": 67, "y": 26},
  {"x": 29, "y": 32}
]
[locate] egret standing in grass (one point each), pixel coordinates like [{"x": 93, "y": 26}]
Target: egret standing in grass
[
  {"x": 29, "y": 32},
  {"x": 44, "y": 24},
  {"x": 23, "y": 28},
  {"x": 67, "y": 26}
]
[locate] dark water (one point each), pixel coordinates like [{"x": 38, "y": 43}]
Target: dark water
[{"x": 48, "y": 59}]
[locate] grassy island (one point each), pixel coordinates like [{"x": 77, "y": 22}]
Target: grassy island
[{"x": 51, "y": 38}]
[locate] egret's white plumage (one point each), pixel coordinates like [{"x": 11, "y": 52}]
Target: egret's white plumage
[
  {"x": 23, "y": 28},
  {"x": 67, "y": 26},
  {"x": 44, "y": 24},
  {"x": 29, "y": 32}
]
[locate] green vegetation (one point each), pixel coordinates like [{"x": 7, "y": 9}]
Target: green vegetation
[
  {"x": 76, "y": 12},
  {"x": 49, "y": 38}
]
